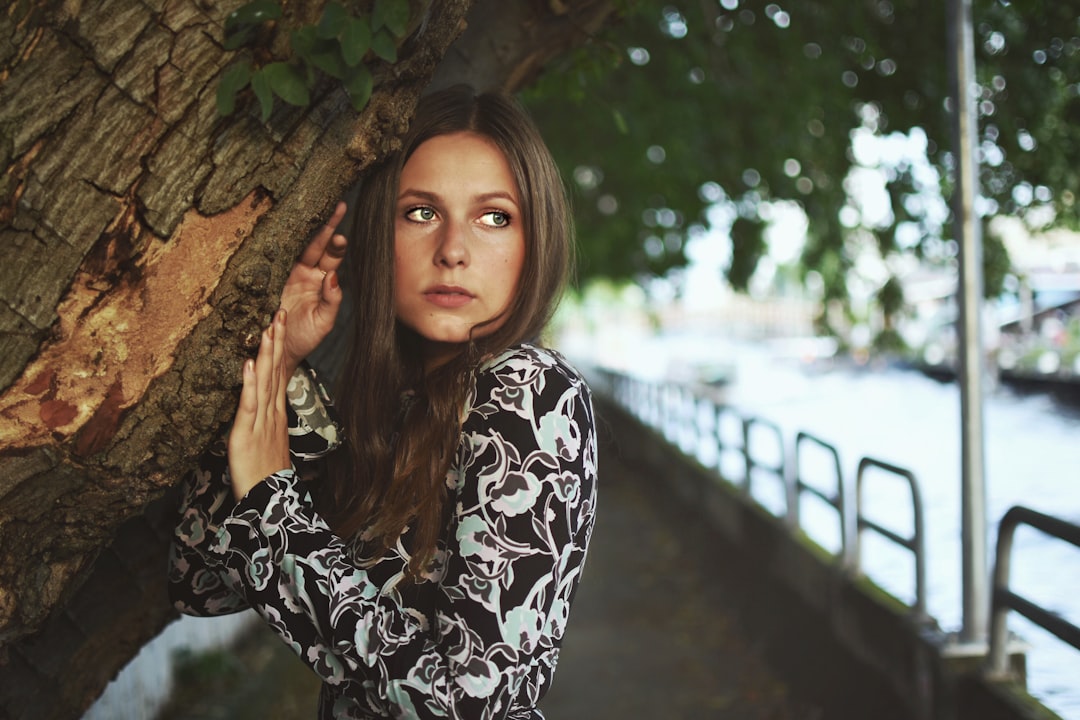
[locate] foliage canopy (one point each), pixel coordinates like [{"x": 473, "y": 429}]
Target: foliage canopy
[{"x": 747, "y": 102}]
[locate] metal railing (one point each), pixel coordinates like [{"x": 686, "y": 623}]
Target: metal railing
[
  {"x": 755, "y": 426},
  {"x": 916, "y": 543},
  {"x": 652, "y": 404},
  {"x": 800, "y": 486},
  {"x": 1004, "y": 599},
  {"x": 676, "y": 412}
]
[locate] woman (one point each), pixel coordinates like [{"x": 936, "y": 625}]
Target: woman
[{"x": 427, "y": 568}]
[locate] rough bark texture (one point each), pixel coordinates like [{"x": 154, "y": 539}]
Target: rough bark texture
[
  {"x": 145, "y": 241},
  {"x": 508, "y": 48}
]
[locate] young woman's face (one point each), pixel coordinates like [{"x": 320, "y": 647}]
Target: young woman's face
[{"x": 459, "y": 245}]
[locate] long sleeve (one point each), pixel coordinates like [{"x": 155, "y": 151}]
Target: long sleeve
[
  {"x": 198, "y": 580},
  {"x": 522, "y": 493}
]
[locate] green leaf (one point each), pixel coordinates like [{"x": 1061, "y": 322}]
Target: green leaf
[
  {"x": 253, "y": 13},
  {"x": 327, "y": 57},
  {"x": 239, "y": 38},
  {"x": 620, "y": 122},
  {"x": 318, "y": 53},
  {"x": 355, "y": 41},
  {"x": 747, "y": 247},
  {"x": 303, "y": 41},
  {"x": 392, "y": 14},
  {"x": 232, "y": 81},
  {"x": 383, "y": 45},
  {"x": 287, "y": 83},
  {"x": 333, "y": 20},
  {"x": 359, "y": 86},
  {"x": 260, "y": 83}
]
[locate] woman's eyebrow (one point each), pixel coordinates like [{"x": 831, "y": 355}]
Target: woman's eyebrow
[
  {"x": 497, "y": 195},
  {"x": 421, "y": 194},
  {"x": 428, "y": 196}
]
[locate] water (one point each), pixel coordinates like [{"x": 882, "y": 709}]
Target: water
[{"x": 1032, "y": 457}]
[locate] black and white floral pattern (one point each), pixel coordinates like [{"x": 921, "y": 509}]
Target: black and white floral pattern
[{"x": 478, "y": 636}]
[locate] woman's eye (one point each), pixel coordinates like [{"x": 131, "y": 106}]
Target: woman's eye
[
  {"x": 420, "y": 214},
  {"x": 496, "y": 218}
]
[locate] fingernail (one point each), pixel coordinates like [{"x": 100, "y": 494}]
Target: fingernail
[
  {"x": 270, "y": 331},
  {"x": 249, "y": 366},
  {"x": 333, "y": 279},
  {"x": 281, "y": 315}
]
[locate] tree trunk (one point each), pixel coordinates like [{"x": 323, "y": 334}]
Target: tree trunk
[
  {"x": 507, "y": 45},
  {"x": 145, "y": 242}
]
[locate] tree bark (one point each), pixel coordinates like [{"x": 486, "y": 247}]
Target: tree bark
[
  {"x": 506, "y": 46},
  {"x": 145, "y": 242}
]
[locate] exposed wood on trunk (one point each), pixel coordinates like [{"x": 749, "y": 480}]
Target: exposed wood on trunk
[{"x": 123, "y": 335}]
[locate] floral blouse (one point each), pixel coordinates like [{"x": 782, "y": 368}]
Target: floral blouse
[{"x": 476, "y": 637}]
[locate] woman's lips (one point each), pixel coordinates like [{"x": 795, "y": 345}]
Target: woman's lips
[{"x": 447, "y": 297}]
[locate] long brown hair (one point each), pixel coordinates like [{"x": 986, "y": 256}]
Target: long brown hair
[{"x": 392, "y": 472}]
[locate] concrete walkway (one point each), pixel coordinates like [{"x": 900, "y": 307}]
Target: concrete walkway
[{"x": 654, "y": 632}]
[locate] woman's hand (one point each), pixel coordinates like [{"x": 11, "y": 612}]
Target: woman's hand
[
  {"x": 259, "y": 439},
  {"x": 311, "y": 296}
]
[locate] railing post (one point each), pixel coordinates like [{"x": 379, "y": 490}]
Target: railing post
[
  {"x": 969, "y": 296},
  {"x": 746, "y": 455}
]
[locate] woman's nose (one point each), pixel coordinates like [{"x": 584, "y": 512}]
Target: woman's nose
[{"x": 453, "y": 248}]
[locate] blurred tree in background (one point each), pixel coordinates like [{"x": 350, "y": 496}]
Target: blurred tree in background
[{"x": 686, "y": 104}]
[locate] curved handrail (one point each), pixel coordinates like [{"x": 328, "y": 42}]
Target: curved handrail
[
  {"x": 778, "y": 469},
  {"x": 836, "y": 501},
  {"x": 1003, "y": 599},
  {"x": 916, "y": 543}
]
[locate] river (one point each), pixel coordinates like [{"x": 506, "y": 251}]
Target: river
[{"x": 1032, "y": 458}]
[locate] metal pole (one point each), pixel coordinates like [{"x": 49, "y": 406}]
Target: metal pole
[{"x": 969, "y": 296}]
